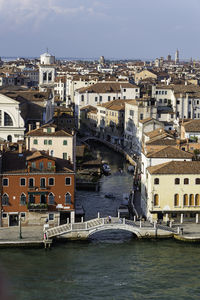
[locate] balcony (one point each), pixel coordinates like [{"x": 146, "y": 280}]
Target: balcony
[
  {"x": 37, "y": 206},
  {"x": 44, "y": 170}
]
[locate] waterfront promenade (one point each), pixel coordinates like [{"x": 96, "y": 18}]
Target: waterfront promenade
[{"x": 33, "y": 236}]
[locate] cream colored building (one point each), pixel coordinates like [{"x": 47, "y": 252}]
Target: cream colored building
[
  {"x": 135, "y": 111},
  {"x": 58, "y": 143},
  {"x": 173, "y": 191}
]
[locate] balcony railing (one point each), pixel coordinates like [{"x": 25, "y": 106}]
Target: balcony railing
[{"x": 37, "y": 206}]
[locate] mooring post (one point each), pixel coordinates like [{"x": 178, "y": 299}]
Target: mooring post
[
  {"x": 140, "y": 224},
  {"x": 154, "y": 224},
  {"x": 170, "y": 224},
  {"x": 118, "y": 215},
  {"x": 98, "y": 215},
  {"x": 134, "y": 219},
  {"x": 81, "y": 219},
  {"x": 124, "y": 220},
  {"x": 178, "y": 230}
]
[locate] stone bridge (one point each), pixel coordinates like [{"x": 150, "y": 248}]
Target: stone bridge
[{"x": 84, "y": 230}]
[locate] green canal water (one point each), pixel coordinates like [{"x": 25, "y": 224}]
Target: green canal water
[{"x": 111, "y": 265}]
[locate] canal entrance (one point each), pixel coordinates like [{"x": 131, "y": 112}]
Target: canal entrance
[{"x": 118, "y": 183}]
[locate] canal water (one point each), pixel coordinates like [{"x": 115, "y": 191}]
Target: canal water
[{"x": 110, "y": 266}]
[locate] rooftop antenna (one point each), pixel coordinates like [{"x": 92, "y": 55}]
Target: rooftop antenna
[{"x": 47, "y": 50}]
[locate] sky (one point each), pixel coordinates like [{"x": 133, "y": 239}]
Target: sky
[{"x": 116, "y": 29}]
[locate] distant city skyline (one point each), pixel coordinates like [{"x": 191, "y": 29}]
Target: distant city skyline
[{"x": 127, "y": 29}]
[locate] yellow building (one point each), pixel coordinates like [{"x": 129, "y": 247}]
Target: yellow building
[{"x": 173, "y": 191}]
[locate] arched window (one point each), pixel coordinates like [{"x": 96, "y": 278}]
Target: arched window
[
  {"x": 7, "y": 120},
  {"x": 197, "y": 200},
  {"x": 82, "y": 97},
  {"x": 9, "y": 138},
  {"x": 42, "y": 182},
  {"x": 177, "y": 181},
  {"x": 51, "y": 199},
  {"x": 185, "y": 200},
  {"x": 156, "y": 200},
  {"x": 191, "y": 203},
  {"x": 68, "y": 198},
  {"x": 5, "y": 199},
  {"x": 186, "y": 180},
  {"x": 23, "y": 199},
  {"x": 176, "y": 200},
  {"x": 156, "y": 181},
  {"x": 31, "y": 182},
  {"x": 197, "y": 181}
]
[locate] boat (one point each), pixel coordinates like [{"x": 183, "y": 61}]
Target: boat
[
  {"x": 123, "y": 211},
  {"x": 131, "y": 168},
  {"x": 106, "y": 169},
  {"x": 110, "y": 195}
]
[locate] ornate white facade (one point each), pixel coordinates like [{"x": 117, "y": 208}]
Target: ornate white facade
[{"x": 11, "y": 123}]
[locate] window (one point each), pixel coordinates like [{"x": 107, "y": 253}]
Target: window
[
  {"x": 100, "y": 98},
  {"x": 64, "y": 155},
  {"x": 156, "y": 181},
  {"x": 45, "y": 142},
  {"x": 22, "y": 181},
  {"x": 177, "y": 181},
  {"x": 82, "y": 97},
  {"x": 49, "y": 165},
  {"x": 124, "y": 90},
  {"x": 51, "y": 181},
  {"x": 177, "y": 101},
  {"x": 186, "y": 180},
  {"x": 33, "y": 165},
  {"x": 185, "y": 200},
  {"x": 42, "y": 182},
  {"x": 51, "y": 199},
  {"x": 141, "y": 116},
  {"x": 51, "y": 153},
  {"x": 31, "y": 199},
  {"x": 5, "y": 199},
  {"x": 65, "y": 142},
  {"x": 156, "y": 200},
  {"x": 165, "y": 100},
  {"x": 43, "y": 199},
  {"x": 41, "y": 164},
  {"x": 51, "y": 217},
  {"x": 108, "y": 98},
  {"x": 4, "y": 215},
  {"x": 191, "y": 202},
  {"x": 31, "y": 182},
  {"x": 165, "y": 92},
  {"x": 131, "y": 112},
  {"x": 49, "y": 130},
  {"x": 197, "y": 181},
  {"x": 7, "y": 120},
  {"x": 197, "y": 198},
  {"x": 23, "y": 215},
  {"x": 67, "y": 181},
  {"x": 5, "y": 181},
  {"x": 176, "y": 200},
  {"x": 23, "y": 199},
  {"x": 96, "y": 99},
  {"x": 50, "y": 142},
  {"x": 68, "y": 198},
  {"x": 35, "y": 142}
]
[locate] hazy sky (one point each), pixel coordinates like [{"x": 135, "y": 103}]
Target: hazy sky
[{"x": 90, "y": 28}]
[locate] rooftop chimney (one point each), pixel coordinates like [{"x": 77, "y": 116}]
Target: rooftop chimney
[
  {"x": 37, "y": 125},
  {"x": 29, "y": 127}
]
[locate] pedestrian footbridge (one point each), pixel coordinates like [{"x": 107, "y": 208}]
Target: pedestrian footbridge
[{"x": 84, "y": 230}]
